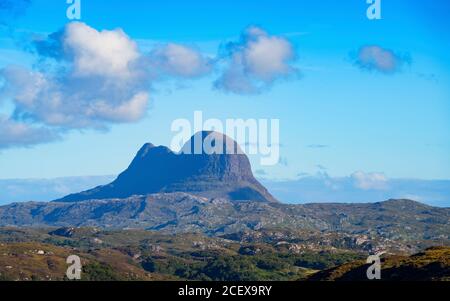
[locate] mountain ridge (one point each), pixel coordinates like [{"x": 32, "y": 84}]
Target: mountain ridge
[{"x": 187, "y": 213}]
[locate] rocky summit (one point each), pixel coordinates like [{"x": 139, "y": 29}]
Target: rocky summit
[{"x": 224, "y": 174}]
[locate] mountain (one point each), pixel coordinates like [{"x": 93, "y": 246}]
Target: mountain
[
  {"x": 216, "y": 194},
  {"x": 156, "y": 169}
]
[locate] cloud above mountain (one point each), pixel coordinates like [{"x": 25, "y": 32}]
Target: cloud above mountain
[
  {"x": 379, "y": 59},
  {"x": 84, "y": 78},
  {"x": 255, "y": 62},
  {"x": 100, "y": 53}
]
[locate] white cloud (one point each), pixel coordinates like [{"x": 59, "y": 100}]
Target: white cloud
[
  {"x": 96, "y": 80},
  {"x": 86, "y": 78},
  {"x": 369, "y": 181},
  {"x": 255, "y": 62},
  {"x": 126, "y": 112},
  {"x": 69, "y": 101},
  {"x": 100, "y": 53},
  {"x": 267, "y": 57},
  {"x": 376, "y": 58},
  {"x": 178, "y": 60},
  {"x": 13, "y": 133}
]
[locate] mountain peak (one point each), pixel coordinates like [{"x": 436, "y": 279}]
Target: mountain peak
[
  {"x": 210, "y": 141},
  {"x": 198, "y": 170}
]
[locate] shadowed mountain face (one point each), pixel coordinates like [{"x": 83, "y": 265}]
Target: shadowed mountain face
[{"x": 225, "y": 173}]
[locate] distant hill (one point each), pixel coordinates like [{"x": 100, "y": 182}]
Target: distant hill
[
  {"x": 402, "y": 224},
  {"x": 431, "y": 265},
  {"x": 324, "y": 188},
  {"x": 226, "y": 174}
]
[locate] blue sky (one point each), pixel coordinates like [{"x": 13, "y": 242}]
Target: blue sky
[{"x": 339, "y": 114}]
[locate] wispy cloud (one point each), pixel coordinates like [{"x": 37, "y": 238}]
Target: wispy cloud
[
  {"x": 318, "y": 146},
  {"x": 429, "y": 77},
  {"x": 321, "y": 167}
]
